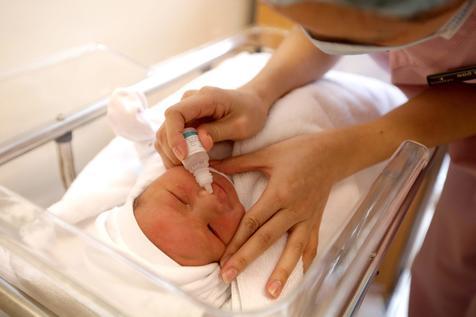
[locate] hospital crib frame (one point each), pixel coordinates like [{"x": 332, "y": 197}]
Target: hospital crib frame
[{"x": 341, "y": 300}]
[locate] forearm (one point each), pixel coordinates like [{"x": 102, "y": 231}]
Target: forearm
[
  {"x": 437, "y": 116},
  {"x": 295, "y": 63}
]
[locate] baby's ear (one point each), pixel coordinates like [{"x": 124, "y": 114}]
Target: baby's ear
[{"x": 221, "y": 150}]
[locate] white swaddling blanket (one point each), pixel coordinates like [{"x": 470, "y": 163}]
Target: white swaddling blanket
[
  {"x": 100, "y": 186},
  {"x": 118, "y": 227}
]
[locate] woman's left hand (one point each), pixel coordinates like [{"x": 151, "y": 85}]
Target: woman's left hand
[{"x": 301, "y": 171}]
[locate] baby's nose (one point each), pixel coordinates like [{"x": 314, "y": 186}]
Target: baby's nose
[{"x": 207, "y": 206}]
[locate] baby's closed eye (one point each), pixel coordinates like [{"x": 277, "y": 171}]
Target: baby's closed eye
[{"x": 178, "y": 197}]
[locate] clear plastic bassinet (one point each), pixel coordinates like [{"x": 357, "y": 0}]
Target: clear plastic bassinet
[
  {"x": 31, "y": 237},
  {"x": 38, "y": 280}
]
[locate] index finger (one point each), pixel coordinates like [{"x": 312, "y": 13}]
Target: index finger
[
  {"x": 189, "y": 109},
  {"x": 259, "y": 242},
  {"x": 263, "y": 209}
]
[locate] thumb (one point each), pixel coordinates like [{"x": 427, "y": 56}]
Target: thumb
[{"x": 242, "y": 163}]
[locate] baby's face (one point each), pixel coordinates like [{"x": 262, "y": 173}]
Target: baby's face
[{"x": 190, "y": 225}]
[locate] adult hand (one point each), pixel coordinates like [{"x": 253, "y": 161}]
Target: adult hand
[
  {"x": 218, "y": 114},
  {"x": 301, "y": 171}
]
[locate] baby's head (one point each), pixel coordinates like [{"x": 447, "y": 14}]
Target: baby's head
[{"x": 190, "y": 225}]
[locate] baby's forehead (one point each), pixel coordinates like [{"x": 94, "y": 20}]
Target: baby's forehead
[
  {"x": 172, "y": 181},
  {"x": 176, "y": 176},
  {"x": 179, "y": 182},
  {"x": 180, "y": 177}
]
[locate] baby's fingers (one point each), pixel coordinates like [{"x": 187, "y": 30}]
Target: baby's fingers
[{"x": 297, "y": 240}]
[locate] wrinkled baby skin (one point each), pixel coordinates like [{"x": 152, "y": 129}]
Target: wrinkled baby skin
[{"x": 190, "y": 225}]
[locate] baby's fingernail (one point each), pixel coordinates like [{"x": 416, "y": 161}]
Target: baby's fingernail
[
  {"x": 274, "y": 288},
  {"x": 229, "y": 275},
  {"x": 178, "y": 153}
]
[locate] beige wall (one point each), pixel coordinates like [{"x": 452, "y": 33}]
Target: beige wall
[{"x": 145, "y": 30}]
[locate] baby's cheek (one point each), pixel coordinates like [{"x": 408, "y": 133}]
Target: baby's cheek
[
  {"x": 205, "y": 250},
  {"x": 228, "y": 223},
  {"x": 198, "y": 249}
]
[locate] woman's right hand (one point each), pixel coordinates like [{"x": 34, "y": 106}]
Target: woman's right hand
[{"x": 218, "y": 114}]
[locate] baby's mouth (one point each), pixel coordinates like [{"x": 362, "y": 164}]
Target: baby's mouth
[
  {"x": 216, "y": 234},
  {"x": 221, "y": 192},
  {"x": 222, "y": 174}
]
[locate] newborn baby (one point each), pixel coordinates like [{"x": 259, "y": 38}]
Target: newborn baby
[{"x": 188, "y": 224}]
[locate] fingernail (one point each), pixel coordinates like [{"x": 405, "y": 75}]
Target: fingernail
[
  {"x": 209, "y": 139},
  {"x": 229, "y": 275},
  {"x": 274, "y": 288},
  {"x": 178, "y": 153}
]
